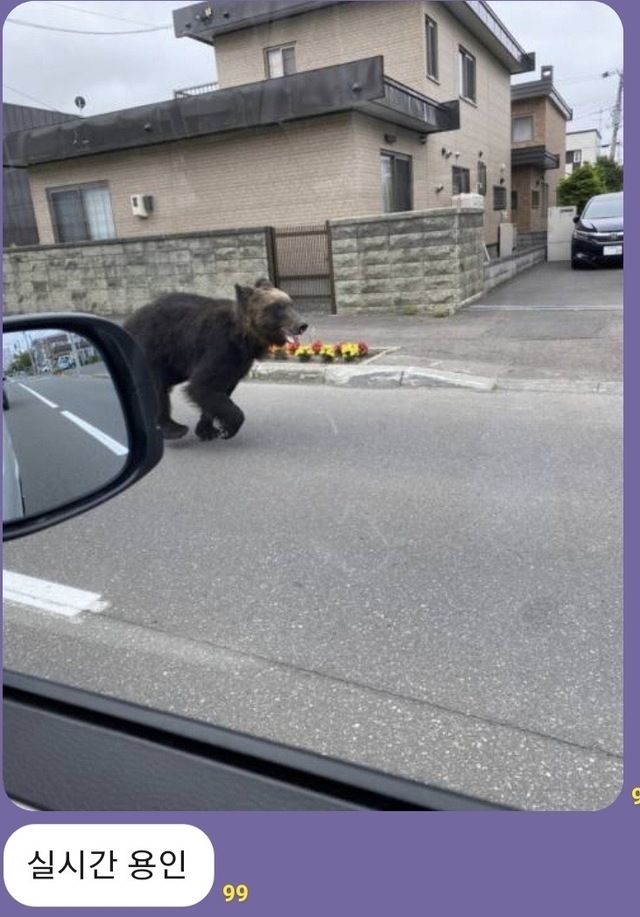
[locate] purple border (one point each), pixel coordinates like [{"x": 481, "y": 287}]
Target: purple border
[{"x": 441, "y": 863}]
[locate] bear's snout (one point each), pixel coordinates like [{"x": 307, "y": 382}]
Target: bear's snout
[{"x": 302, "y": 327}]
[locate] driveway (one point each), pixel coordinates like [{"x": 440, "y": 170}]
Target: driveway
[
  {"x": 554, "y": 285},
  {"x": 549, "y": 326}
]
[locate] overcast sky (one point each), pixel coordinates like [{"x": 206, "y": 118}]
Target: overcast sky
[{"x": 582, "y": 39}]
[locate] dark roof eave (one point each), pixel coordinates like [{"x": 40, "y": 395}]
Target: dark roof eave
[
  {"x": 540, "y": 89},
  {"x": 478, "y": 17},
  {"x": 358, "y": 85},
  {"x": 204, "y": 21}
]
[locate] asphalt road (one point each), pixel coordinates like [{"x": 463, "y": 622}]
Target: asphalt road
[
  {"x": 425, "y": 581},
  {"x": 68, "y": 434}
]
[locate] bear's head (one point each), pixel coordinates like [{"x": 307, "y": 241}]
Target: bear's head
[{"x": 267, "y": 314}]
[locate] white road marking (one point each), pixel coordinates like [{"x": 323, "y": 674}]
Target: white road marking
[
  {"x": 47, "y": 596},
  {"x": 107, "y": 441},
  {"x": 37, "y": 395}
]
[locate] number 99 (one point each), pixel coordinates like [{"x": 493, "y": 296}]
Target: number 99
[
  {"x": 230, "y": 892},
  {"x": 635, "y": 795}
]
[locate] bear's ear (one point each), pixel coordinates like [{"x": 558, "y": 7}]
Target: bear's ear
[
  {"x": 264, "y": 283},
  {"x": 243, "y": 294}
]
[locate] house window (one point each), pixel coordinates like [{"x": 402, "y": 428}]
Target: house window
[
  {"x": 467, "y": 75},
  {"x": 396, "y": 182},
  {"x": 460, "y": 180},
  {"x": 81, "y": 213},
  {"x": 499, "y": 197},
  {"x": 482, "y": 178},
  {"x": 432, "y": 48},
  {"x": 535, "y": 199},
  {"x": 280, "y": 61},
  {"x": 522, "y": 129},
  {"x": 514, "y": 200}
]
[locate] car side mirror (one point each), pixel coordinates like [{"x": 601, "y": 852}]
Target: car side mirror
[{"x": 79, "y": 418}]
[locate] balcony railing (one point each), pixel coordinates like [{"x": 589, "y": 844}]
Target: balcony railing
[{"x": 195, "y": 90}]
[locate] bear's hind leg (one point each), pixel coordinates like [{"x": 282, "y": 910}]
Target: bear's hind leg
[{"x": 170, "y": 429}]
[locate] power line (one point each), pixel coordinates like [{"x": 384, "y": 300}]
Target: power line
[
  {"x": 80, "y": 9},
  {"x": 580, "y": 79},
  {"x": 51, "y": 28},
  {"x": 31, "y": 98}
]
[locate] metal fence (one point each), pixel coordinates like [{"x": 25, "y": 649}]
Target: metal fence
[{"x": 302, "y": 265}]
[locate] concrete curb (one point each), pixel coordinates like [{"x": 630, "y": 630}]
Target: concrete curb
[
  {"x": 368, "y": 375},
  {"x": 564, "y": 386},
  {"x": 383, "y": 376}
]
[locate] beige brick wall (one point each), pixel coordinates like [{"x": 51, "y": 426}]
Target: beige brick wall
[
  {"x": 556, "y": 143},
  {"x": 274, "y": 176}
]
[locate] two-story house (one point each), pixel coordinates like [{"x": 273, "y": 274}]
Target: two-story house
[
  {"x": 539, "y": 117},
  {"x": 583, "y": 147},
  {"x": 325, "y": 110}
]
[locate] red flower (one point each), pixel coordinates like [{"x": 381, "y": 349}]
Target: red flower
[
  {"x": 363, "y": 348},
  {"x": 292, "y": 346},
  {"x": 338, "y": 348},
  {"x": 316, "y": 346}
]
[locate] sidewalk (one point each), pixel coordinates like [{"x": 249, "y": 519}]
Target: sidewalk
[{"x": 532, "y": 333}]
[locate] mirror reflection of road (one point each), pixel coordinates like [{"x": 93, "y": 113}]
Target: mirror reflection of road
[
  {"x": 426, "y": 581},
  {"x": 68, "y": 434}
]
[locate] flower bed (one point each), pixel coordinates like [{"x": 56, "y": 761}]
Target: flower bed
[{"x": 319, "y": 352}]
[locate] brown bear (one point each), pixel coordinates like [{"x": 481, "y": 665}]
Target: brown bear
[{"x": 212, "y": 343}]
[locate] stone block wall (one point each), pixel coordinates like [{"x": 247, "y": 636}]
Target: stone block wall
[
  {"x": 116, "y": 277},
  {"x": 431, "y": 261}
]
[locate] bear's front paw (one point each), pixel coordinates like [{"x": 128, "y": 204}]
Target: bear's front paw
[{"x": 206, "y": 431}]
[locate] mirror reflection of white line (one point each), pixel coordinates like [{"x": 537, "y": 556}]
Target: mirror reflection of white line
[
  {"x": 107, "y": 441},
  {"x": 37, "y": 395},
  {"x": 47, "y": 596}
]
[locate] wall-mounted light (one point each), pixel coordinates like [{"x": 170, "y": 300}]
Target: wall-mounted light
[
  {"x": 423, "y": 139},
  {"x": 502, "y": 181},
  {"x": 390, "y": 138},
  {"x": 457, "y": 154},
  {"x": 445, "y": 152},
  {"x": 439, "y": 188},
  {"x": 480, "y": 154},
  {"x": 502, "y": 167}
]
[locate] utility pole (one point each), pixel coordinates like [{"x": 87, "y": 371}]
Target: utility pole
[{"x": 616, "y": 115}]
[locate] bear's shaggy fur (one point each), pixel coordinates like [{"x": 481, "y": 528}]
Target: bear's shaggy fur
[{"x": 212, "y": 343}]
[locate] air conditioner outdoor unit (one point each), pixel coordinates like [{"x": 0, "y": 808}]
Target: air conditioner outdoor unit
[{"x": 141, "y": 205}]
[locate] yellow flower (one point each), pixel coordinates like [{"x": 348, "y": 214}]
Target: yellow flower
[
  {"x": 350, "y": 351},
  {"x": 304, "y": 352},
  {"x": 328, "y": 353}
]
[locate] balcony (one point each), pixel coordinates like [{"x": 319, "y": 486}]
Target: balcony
[{"x": 537, "y": 156}]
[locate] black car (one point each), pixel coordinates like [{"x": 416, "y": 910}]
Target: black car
[{"x": 598, "y": 236}]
